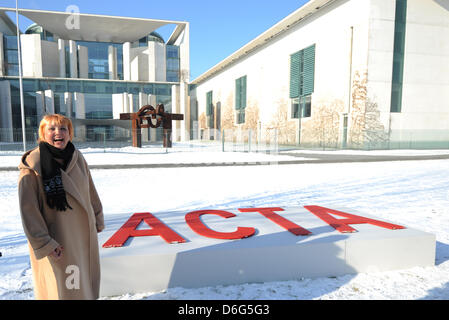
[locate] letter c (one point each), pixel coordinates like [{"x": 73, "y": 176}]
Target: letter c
[{"x": 193, "y": 219}]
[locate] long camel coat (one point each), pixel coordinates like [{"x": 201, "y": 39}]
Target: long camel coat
[{"x": 76, "y": 275}]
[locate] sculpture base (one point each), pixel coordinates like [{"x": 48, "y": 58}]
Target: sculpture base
[{"x": 150, "y": 264}]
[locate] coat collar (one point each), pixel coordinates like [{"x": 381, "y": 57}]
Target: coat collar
[{"x": 31, "y": 161}]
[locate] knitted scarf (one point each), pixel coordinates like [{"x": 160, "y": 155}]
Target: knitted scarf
[{"x": 51, "y": 173}]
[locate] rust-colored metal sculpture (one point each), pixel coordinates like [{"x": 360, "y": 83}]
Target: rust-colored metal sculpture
[{"x": 148, "y": 113}]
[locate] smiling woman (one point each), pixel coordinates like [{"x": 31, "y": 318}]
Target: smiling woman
[
  {"x": 61, "y": 214},
  {"x": 56, "y": 130}
]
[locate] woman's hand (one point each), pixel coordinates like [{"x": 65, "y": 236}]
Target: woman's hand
[{"x": 57, "y": 253}]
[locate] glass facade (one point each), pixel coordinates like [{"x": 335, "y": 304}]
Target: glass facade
[
  {"x": 99, "y": 59},
  {"x": 97, "y": 97},
  {"x": 97, "y": 92}
]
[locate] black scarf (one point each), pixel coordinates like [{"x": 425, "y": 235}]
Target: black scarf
[{"x": 51, "y": 173}]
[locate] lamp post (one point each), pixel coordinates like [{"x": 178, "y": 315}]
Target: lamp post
[{"x": 19, "y": 53}]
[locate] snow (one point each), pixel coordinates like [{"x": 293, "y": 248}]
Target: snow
[{"x": 413, "y": 193}]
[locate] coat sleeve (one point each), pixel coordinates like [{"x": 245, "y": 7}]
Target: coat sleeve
[
  {"x": 34, "y": 225},
  {"x": 95, "y": 202}
]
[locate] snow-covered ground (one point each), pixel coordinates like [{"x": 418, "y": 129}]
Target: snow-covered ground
[{"x": 412, "y": 193}]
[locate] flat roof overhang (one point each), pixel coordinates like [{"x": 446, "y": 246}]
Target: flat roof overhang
[
  {"x": 284, "y": 25},
  {"x": 98, "y": 28}
]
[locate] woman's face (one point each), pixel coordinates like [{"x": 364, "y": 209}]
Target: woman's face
[{"x": 56, "y": 135}]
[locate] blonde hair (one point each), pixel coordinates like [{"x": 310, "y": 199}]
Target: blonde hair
[{"x": 57, "y": 119}]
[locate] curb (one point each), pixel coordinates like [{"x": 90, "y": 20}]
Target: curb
[{"x": 334, "y": 159}]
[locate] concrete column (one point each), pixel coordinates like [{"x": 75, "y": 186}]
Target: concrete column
[
  {"x": 80, "y": 107},
  {"x": 83, "y": 62},
  {"x": 6, "y": 131},
  {"x": 117, "y": 105},
  {"x": 184, "y": 109},
  {"x": 2, "y": 57},
  {"x": 157, "y": 62},
  {"x": 40, "y": 105},
  {"x": 49, "y": 101},
  {"x": 73, "y": 59},
  {"x": 151, "y": 61},
  {"x": 80, "y": 113},
  {"x": 68, "y": 101},
  {"x": 112, "y": 61},
  {"x": 130, "y": 106},
  {"x": 161, "y": 62},
  {"x": 31, "y": 55},
  {"x": 127, "y": 61},
  {"x": 61, "y": 51}
]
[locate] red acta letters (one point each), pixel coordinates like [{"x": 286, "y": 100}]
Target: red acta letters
[{"x": 193, "y": 220}]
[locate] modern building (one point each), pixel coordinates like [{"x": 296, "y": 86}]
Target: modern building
[
  {"x": 336, "y": 73},
  {"x": 90, "y": 68}
]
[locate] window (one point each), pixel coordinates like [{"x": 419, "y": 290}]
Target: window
[
  {"x": 302, "y": 82},
  {"x": 398, "y": 55},
  {"x": 302, "y": 107},
  {"x": 240, "y": 99},
  {"x": 210, "y": 109},
  {"x": 11, "y": 55},
  {"x": 173, "y": 68}
]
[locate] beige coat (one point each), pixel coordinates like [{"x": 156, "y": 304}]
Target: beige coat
[{"x": 77, "y": 274}]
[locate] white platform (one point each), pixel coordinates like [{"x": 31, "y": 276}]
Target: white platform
[{"x": 148, "y": 264}]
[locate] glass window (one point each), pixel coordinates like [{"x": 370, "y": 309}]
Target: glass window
[
  {"x": 134, "y": 89},
  {"x": 98, "y": 56},
  {"x": 172, "y": 63},
  {"x": 74, "y": 86},
  {"x": 398, "y": 55},
  {"x": 147, "y": 88},
  {"x": 301, "y": 107},
  {"x": 240, "y": 116},
  {"x": 162, "y": 90},
  {"x": 98, "y": 105}
]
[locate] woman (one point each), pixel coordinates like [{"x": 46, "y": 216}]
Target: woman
[{"x": 61, "y": 215}]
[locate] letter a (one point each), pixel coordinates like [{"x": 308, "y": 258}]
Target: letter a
[
  {"x": 129, "y": 230},
  {"x": 342, "y": 225}
]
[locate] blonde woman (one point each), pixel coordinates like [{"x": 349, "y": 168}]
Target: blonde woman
[{"x": 61, "y": 215}]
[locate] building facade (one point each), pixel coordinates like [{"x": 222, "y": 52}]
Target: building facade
[
  {"x": 90, "y": 68},
  {"x": 336, "y": 73}
]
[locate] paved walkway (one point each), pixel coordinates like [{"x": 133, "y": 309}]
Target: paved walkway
[{"x": 303, "y": 158}]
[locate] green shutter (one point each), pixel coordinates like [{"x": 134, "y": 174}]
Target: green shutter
[
  {"x": 309, "y": 71},
  {"x": 243, "y": 93},
  {"x": 295, "y": 61},
  {"x": 302, "y": 72},
  {"x": 240, "y": 93},
  {"x": 238, "y": 98}
]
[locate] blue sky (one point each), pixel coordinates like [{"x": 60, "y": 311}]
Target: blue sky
[{"x": 217, "y": 28}]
